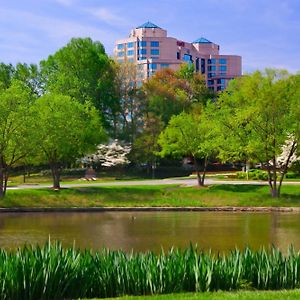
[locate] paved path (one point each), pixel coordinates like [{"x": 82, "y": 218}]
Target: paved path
[{"x": 185, "y": 182}]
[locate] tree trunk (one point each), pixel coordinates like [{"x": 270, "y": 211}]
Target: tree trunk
[
  {"x": 2, "y": 192},
  {"x": 55, "y": 175},
  {"x": 200, "y": 179},
  {"x": 3, "y": 178}
]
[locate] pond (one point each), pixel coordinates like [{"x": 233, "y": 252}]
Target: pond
[{"x": 142, "y": 231}]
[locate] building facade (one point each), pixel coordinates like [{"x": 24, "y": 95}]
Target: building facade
[{"x": 149, "y": 47}]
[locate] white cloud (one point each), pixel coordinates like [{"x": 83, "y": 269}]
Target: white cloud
[
  {"x": 107, "y": 16},
  {"x": 65, "y": 2}
]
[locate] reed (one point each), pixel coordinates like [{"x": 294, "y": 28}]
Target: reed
[{"x": 52, "y": 272}]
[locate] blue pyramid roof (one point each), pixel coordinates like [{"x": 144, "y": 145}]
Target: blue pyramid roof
[
  {"x": 202, "y": 40},
  {"x": 147, "y": 25}
]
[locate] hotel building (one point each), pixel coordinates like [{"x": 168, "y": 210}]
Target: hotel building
[{"x": 149, "y": 47}]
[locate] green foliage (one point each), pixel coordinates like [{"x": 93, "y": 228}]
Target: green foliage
[
  {"x": 83, "y": 71},
  {"x": 67, "y": 130},
  {"x": 255, "y": 118},
  {"x": 253, "y": 174},
  {"x": 16, "y": 127},
  {"x": 52, "y": 272}
]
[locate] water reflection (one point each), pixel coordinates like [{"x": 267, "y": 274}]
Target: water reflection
[{"x": 142, "y": 231}]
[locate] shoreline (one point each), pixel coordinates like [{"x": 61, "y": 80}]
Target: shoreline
[{"x": 150, "y": 209}]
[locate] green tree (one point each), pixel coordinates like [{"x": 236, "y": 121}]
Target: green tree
[
  {"x": 169, "y": 93},
  {"x": 255, "y": 118},
  {"x": 66, "y": 131},
  {"x": 15, "y": 128},
  {"x": 189, "y": 135},
  {"x": 83, "y": 71},
  {"x": 146, "y": 147}
]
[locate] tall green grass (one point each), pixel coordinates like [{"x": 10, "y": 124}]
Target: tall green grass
[{"x": 52, "y": 272}]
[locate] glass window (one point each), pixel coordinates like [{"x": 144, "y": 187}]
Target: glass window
[
  {"x": 221, "y": 81},
  {"x": 142, "y": 58},
  {"x": 139, "y": 83},
  {"x": 223, "y": 61},
  {"x": 142, "y": 51},
  {"x": 120, "y": 60},
  {"x": 211, "y": 75},
  {"x": 210, "y": 82},
  {"x": 130, "y": 60},
  {"x": 221, "y": 88},
  {"x": 151, "y": 73},
  {"x": 153, "y": 66},
  {"x": 211, "y": 61},
  {"x": 154, "y": 57},
  {"x": 120, "y": 46},
  {"x": 223, "y": 68},
  {"x": 222, "y": 74},
  {"x": 130, "y": 45},
  {"x": 154, "y": 51},
  {"x": 120, "y": 54},
  {"x": 142, "y": 44},
  {"x": 164, "y": 66},
  {"x": 211, "y": 68},
  {"x": 178, "y": 55},
  {"x": 154, "y": 44},
  {"x": 187, "y": 58},
  {"x": 130, "y": 52}
]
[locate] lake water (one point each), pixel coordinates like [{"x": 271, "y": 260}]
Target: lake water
[{"x": 142, "y": 231}]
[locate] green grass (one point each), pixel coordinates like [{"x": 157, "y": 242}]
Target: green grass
[
  {"x": 52, "y": 272},
  {"x": 239, "y": 295},
  {"x": 152, "y": 196}
]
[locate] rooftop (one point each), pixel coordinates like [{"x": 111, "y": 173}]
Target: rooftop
[
  {"x": 148, "y": 25},
  {"x": 202, "y": 40}
]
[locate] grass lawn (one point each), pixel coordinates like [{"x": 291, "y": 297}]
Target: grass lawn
[
  {"x": 156, "y": 196},
  {"x": 240, "y": 295}
]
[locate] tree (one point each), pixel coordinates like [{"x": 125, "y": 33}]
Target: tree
[
  {"x": 145, "y": 147},
  {"x": 131, "y": 104},
  {"x": 169, "y": 93},
  {"x": 15, "y": 128},
  {"x": 67, "y": 130},
  {"x": 256, "y": 117},
  {"x": 83, "y": 71},
  {"x": 189, "y": 135},
  {"x": 109, "y": 155}
]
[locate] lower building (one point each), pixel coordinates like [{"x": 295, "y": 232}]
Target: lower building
[{"x": 149, "y": 47}]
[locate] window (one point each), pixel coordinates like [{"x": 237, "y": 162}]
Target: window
[
  {"x": 221, "y": 88},
  {"x": 154, "y": 57},
  {"x": 154, "y": 44},
  {"x": 120, "y": 60},
  {"x": 211, "y": 75},
  {"x": 223, "y": 68},
  {"x": 130, "y": 60},
  {"x": 153, "y": 66},
  {"x": 142, "y": 58},
  {"x": 210, "y": 82},
  {"x": 178, "y": 55},
  {"x": 222, "y": 61},
  {"x": 142, "y": 44},
  {"x": 120, "y": 46},
  {"x": 120, "y": 54},
  {"x": 164, "y": 66},
  {"x": 187, "y": 58},
  {"x": 142, "y": 51},
  {"x": 130, "y": 53},
  {"x": 211, "y": 88},
  {"x": 154, "y": 51},
  {"x": 211, "y": 61},
  {"x": 139, "y": 83},
  {"x": 151, "y": 73},
  {"x": 130, "y": 45},
  {"x": 211, "y": 68},
  {"x": 221, "y": 81},
  {"x": 222, "y": 74}
]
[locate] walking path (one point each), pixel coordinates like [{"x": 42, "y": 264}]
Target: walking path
[{"x": 184, "y": 182}]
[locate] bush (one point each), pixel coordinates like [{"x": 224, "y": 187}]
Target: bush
[{"x": 253, "y": 174}]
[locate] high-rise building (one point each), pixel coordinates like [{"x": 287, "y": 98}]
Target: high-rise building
[{"x": 149, "y": 47}]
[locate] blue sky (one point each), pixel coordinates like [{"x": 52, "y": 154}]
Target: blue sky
[{"x": 266, "y": 33}]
